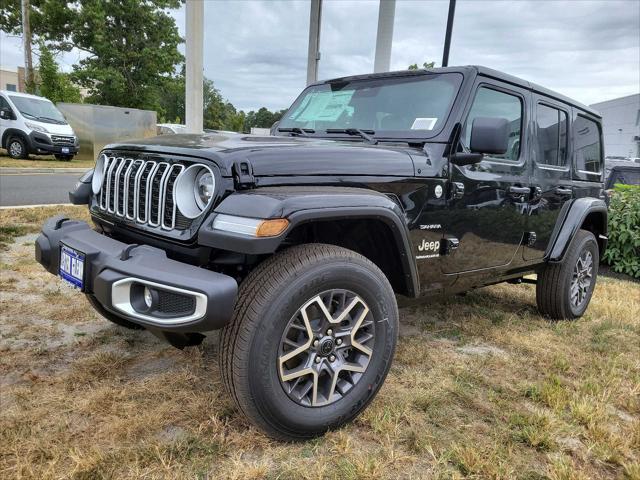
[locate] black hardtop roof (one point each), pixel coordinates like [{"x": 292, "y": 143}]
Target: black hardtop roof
[{"x": 470, "y": 70}]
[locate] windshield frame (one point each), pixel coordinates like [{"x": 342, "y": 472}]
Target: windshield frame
[
  {"x": 31, "y": 116},
  {"x": 385, "y": 135}
]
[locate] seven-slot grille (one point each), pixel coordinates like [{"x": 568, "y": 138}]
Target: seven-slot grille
[
  {"x": 63, "y": 140},
  {"x": 140, "y": 190}
]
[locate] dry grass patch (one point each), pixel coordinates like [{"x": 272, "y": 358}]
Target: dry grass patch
[
  {"x": 481, "y": 387},
  {"x": 43, "y": 162}
]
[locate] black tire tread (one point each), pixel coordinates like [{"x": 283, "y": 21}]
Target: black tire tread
[
  {"x": 552, "y": 278},
  {"x": 253, "y": 296}
]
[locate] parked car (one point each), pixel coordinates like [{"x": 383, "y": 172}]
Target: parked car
[
  {"x": 415, "y": 183},
  {"x": 33, "y": 125},
  {"x": 170, "y": 128}
]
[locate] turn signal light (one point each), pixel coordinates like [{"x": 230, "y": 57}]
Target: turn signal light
[{"x": 272, "y": 228}]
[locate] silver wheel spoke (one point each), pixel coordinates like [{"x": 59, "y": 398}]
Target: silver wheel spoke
[{"x": 326, "y": 347}]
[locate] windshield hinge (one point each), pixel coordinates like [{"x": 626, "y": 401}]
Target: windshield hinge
[{"x": 243, "y": 174}]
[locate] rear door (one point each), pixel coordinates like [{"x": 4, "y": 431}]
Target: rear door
[
  {"x": 551, "y": 173},
  {"x": 488, "y": 217}
]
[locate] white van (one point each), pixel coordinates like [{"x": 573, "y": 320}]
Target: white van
[{"x": 32, "y": 124}]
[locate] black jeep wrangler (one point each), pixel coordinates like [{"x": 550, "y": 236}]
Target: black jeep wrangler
[{"x": 413, "y": 183}]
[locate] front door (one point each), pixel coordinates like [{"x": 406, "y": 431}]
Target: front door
[
  {"x": 487, "y": 206},
  {"x": 551, "y": 173}
]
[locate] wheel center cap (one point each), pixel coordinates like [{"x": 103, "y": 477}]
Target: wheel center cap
[{"x": 326, "y": 347}]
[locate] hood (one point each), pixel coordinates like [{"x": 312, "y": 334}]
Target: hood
[
  {"x": 280, "y": 156},
  {"x": 54, "y": 128}
]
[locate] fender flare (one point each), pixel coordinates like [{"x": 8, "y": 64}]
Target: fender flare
[
  {"x": 10, "y": 132},
  {"x": 302, "y": 205},
  {"x": 573, "y": 219}
]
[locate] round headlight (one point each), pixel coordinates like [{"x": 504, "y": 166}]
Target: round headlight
[
  {"x": 98, "y": 174},
  {"x": 194, "y": 190},
  {"x": 204, "y": 188}
]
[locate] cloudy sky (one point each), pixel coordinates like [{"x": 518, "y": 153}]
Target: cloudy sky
[{"x": 255, "y": 50}]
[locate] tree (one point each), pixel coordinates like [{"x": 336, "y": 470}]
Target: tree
[
  {"x": 55, "y": 85},
  {"x": 414, "y": 66},
  {"x": 131, "y": 46}
]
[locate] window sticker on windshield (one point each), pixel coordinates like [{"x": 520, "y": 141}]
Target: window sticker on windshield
[
  {"x": 325, "y": 106},
  {"x": 424, "y": 123}
]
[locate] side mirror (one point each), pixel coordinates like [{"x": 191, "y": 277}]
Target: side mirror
[
  {"x": 274, "y": 128},
  {"x": 5, "y": 115},
  {"x": 488, "y": 135}
]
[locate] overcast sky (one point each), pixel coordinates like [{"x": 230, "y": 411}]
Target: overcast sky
[{"x": 255, "y": 50}]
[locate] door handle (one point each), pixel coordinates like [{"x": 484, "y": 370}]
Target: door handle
[
  {"x": 519, "y": 191},
  {"x": 564, "y": 190}
]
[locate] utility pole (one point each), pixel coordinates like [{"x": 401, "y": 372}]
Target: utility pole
[
  {"x": 313, "y": 55},
  {"x": 26, "y": 44},
  {"x": 194, "y": 103},
  {"x": 384, "y": 37},
  {"x": 447, "y": 38}
]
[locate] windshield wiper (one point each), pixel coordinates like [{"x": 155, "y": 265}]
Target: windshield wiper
[
  {"x": 356, "y": 131},
  {"x": 304, "y": 132},
  {"x": 54, "y": 120},
  {"x": 35, "y": 117}
]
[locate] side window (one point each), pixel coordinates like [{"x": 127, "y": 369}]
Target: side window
[
  {"x": 587, "y": 145},
  {"x": 551, "y": 140},
  {"x": 4, "y": 105},
  {"x": 493, "y": 103}
]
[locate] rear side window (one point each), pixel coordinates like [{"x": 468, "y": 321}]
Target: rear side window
[
  {"x": 494, "y": 103},
  {"x": 551, "y": 139},
  {"x": 588, "y": 148}
]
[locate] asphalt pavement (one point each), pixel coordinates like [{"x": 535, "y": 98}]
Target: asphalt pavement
[{"x": 36, "y": 188}]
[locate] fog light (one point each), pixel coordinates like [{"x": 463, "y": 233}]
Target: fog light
[{"x": 148, "y": 297}]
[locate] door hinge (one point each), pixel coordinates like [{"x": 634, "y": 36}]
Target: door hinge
[
  {"x": 243, "y": 174},
  {"x": 530, "y": 238},
  {"x": 451, "y": 244},
  {"x": 457, "y": 190}
]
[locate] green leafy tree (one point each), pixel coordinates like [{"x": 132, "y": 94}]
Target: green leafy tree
[
  {"x": 414, "y": 66},
  {"x": 55, "y": 85},
  {"x": 130, "y": 46}
]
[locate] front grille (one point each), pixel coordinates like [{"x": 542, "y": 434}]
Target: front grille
[
  {"x": 63, "y": 140},
  {"x": 141, "y": 191}
]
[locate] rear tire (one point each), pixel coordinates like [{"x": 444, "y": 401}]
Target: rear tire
[
  {"x": 17, "y": 148},
  {"x": 564, "y": 290},
  {"x": 279, "y": 312}
]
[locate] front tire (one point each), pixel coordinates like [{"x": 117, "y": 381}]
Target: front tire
[
  {"x": 311, "y": 342},
  {"x": 17, "y": 148},
  {"x": 564, "y": 290}
]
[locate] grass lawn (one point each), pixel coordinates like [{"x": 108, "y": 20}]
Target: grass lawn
[
  {"x": 481, "y": 387},
  {"x": 48, "y": 161}
]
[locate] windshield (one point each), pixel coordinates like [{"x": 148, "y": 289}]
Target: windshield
[
  {"x": 36, "y": 109},
  {"x": 416, "y": 103}
]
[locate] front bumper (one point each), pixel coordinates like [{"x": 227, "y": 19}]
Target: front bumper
[
  {"x": 40, "y": 143},
  {"x": 114, "y": 271}
]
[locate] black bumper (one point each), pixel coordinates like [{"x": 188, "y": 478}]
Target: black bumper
[
  {"x": 41, "y": 144},
  {"x": 108, "y": 261}
]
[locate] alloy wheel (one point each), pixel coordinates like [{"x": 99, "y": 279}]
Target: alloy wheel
[
  {"x": 15, "y": 149},
  {"x": 325, "y": 348},
  {"x": 581, "y": 278}
]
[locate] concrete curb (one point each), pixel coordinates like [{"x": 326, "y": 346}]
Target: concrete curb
[
  {"x": 28, "y": 171},
  {"x": 9, "y": 207}
]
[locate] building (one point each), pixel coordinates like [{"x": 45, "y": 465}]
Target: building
[
  {"x": 12, "y": 79},
  {"x": 621, "y": 126}
]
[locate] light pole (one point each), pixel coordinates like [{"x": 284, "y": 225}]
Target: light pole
[
  {"x": 384, "y": 37},
  {"x": 193, "y": 75},
  {"x": 313, "y": 56},
  {"x": 447, "y": 38}
]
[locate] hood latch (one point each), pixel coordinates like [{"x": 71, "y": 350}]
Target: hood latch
[{"x": 243, "y": 174}]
